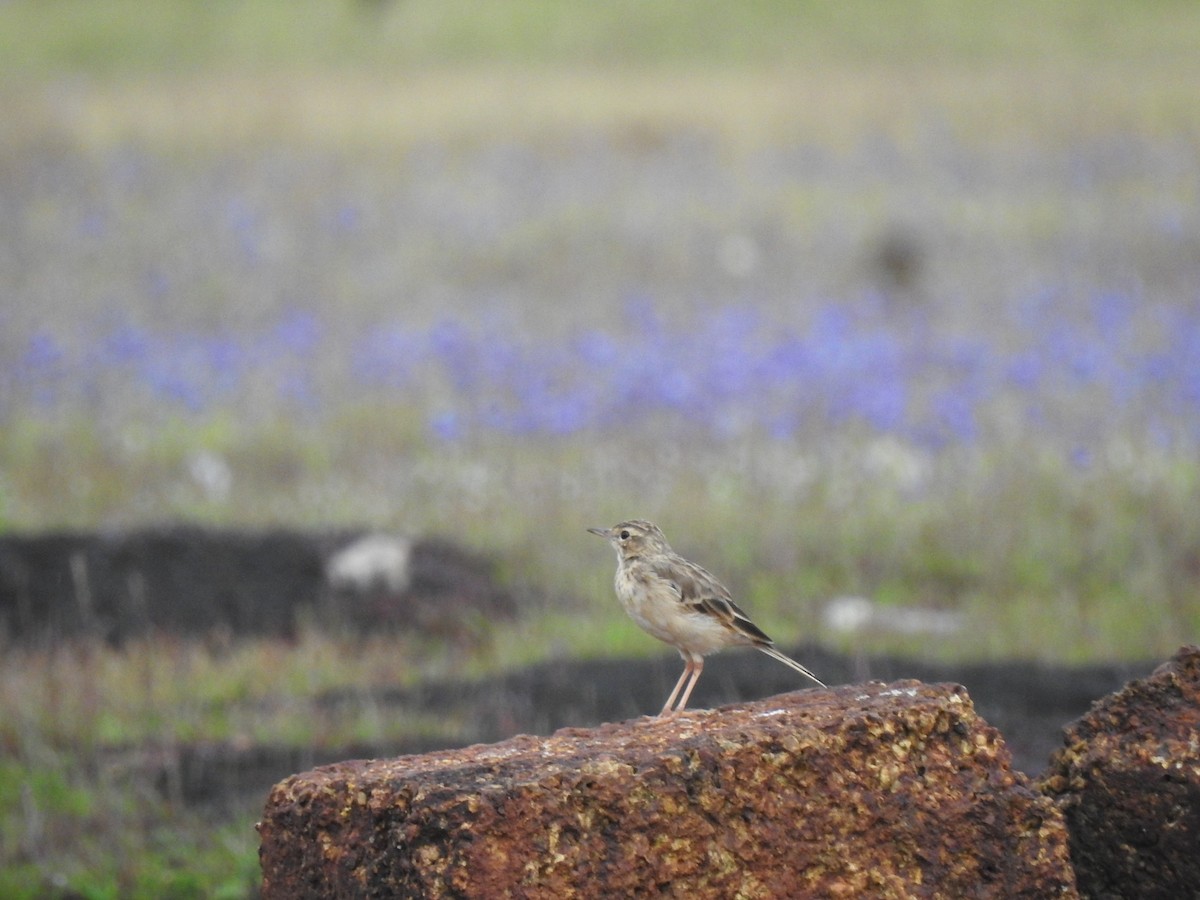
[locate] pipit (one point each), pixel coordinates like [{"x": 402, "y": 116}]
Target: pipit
[{"x": 682, "y": 604}]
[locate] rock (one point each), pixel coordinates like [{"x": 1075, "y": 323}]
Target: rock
[
  {"x": 370, "y": 563},
  {"x": 886, "y": 791},
  {"x": 1128, "y": 783},
  {"x": 382, "y": 583}
]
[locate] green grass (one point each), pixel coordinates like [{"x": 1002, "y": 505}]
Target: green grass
[
  {"x": 122, "y": 36},
  {"x": 77, "y": 812},
  {"x": 194, "y": 77},
  {"x": 93, "y": 841}
]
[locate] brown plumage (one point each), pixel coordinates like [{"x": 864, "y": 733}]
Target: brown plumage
[{"x": 681, "y": 603}]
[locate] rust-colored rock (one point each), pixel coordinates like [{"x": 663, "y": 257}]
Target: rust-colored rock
[
  {"x": 868, "y": 790},
  {"x": 1128, "y": 782}
]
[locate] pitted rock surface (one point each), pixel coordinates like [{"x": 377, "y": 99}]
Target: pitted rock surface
[
  {"x": 1128, "y": 782},
  {"x": 883, "y": 790}
]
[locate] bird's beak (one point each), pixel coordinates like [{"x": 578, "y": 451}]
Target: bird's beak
[{"x": 603, "y": 532}]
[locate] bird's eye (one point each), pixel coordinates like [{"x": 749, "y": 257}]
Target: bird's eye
[{"x": 624, "y": 535}]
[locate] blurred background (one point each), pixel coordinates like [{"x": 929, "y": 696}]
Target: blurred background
[{"x": 887, "y": 313}]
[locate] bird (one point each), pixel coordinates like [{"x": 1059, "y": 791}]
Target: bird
[{"x": 682, "y": 604}]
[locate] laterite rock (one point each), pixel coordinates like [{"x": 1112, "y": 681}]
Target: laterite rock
[
  {"x": 866, "y": 790},
  {"x": 1128, "y": 783}
]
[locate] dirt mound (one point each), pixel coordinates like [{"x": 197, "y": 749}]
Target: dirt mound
[{"x": 192, "y": 581}]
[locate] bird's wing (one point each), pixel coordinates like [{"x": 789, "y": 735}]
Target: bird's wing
[{"x": 700, "y": 592}]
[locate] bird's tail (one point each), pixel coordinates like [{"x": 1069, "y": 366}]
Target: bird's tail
[{"x": 788, "y": 661}]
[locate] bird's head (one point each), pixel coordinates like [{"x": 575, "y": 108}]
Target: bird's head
[{"x": 634, "y": 538}]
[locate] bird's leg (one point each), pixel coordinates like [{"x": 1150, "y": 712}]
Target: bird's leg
[
  {"x": 697, "y": 666},
  {"x": 687, "y": 670}
]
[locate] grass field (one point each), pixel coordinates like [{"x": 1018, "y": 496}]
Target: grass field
[{"x": 897, "y": 300}]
